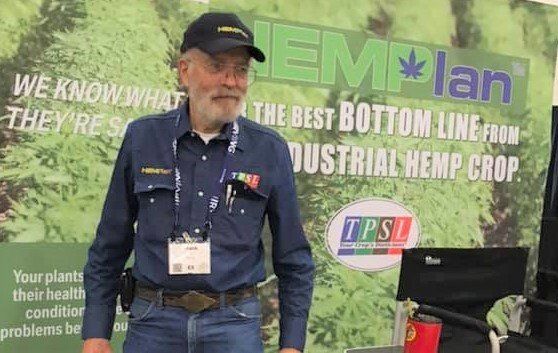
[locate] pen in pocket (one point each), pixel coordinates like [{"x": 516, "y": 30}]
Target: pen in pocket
[
  {"x": 228, "y": 195},
  {"x": 231, "y": 201}
]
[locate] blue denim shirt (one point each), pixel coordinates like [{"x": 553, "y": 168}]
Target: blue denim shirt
[{"x": 142, "y": 190}]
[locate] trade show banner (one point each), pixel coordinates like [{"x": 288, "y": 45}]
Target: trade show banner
[{"x": 422, "y": 123}]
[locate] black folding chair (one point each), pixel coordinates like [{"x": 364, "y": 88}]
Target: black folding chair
[{"x": 460, "y": 286}]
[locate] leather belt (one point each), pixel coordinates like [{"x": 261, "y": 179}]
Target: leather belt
[{"x": 195, "y": 301}]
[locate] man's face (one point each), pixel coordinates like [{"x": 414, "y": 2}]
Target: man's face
[{"x": 216, "y": 96}]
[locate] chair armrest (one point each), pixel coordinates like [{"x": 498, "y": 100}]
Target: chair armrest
[
  {"x": 455, "y": 318},
  {"x": 532, "y": 301},
  {"x": 463, "y": 320}
]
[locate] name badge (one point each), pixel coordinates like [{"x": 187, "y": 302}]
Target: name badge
[{"x": 189, "y": 258}]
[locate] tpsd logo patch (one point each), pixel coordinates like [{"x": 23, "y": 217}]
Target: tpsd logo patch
[{"x": 370, "y": 234}]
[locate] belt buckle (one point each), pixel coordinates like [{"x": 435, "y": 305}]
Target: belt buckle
[{"x": 196, "y": 302}]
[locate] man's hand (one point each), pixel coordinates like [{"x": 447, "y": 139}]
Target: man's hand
[
  {"x": 289, "y": 350},
  {"x": 96, "y": 345}
]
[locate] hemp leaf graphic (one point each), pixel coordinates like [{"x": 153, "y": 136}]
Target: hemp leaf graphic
[{"x": 411, "y": 68}]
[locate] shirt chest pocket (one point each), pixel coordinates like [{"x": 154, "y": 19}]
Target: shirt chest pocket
[
  {"x": 238, "y": 223},
  {"x": 156, "y": 202},
  {"x": 245, "y": 202}
]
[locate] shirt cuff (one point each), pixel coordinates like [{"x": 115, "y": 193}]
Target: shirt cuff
[
  {"x": 98, "y": 320},
  {"x": 293, "y": 332}
]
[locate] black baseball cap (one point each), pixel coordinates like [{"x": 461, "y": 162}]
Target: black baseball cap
[{"x": 216, "y": 32}]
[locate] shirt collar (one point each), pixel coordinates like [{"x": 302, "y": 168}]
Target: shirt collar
[{"x": 184, "y": 127}]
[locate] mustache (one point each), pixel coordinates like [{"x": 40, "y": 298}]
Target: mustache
[{"x": 227, "y": 94}]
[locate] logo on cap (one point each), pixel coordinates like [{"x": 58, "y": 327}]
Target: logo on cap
[{"x": 229, "y": 29}]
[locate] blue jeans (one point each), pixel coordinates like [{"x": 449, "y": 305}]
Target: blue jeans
[{"x": 165, "y": 329}]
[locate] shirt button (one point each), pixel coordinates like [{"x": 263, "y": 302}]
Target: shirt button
[
  {"x": 241, "y": 211},
  {"x": 152, "y": 200},
  {"x": 200, "y": 193},
  {"x": 204, "y": 158},
  {"x": 193, "y": 134},
  {"x": 197, "y": 231},
  {"x": 150, "y": 186}
]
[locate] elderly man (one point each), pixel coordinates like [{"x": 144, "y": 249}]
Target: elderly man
[{"x": 189, "y": 193}]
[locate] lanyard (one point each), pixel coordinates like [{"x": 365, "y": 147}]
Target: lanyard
[{"x": 217, "y": 186}]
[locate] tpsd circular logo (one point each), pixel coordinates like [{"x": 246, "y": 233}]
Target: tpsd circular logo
[{"x": 370, "y": 234}]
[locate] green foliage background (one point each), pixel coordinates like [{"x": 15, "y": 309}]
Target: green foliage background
[{"x": 53, "y": 185}]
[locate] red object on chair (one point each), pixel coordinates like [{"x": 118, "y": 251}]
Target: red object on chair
[{"x": 423, "y": 334}]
